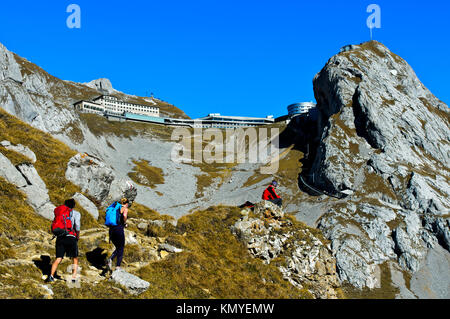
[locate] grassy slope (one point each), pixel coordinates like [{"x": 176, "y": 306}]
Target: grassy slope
[
  {"x": 146, "y": 175},
  {"x": 214, "y": 263}
]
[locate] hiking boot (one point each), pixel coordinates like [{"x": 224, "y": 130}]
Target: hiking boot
[{"x": 50, "y": 278}]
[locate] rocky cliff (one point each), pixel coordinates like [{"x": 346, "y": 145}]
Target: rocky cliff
[{"x": 384, "y": 139}]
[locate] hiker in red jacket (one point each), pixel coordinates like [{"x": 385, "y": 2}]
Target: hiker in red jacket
[
  {"x": 67, "y": 238},
  {"x": 270, "y": 194}
]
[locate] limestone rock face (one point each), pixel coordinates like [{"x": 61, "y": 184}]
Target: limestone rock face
[
  {"x": 9, "y": 172},
  {"x": 9, "y": 68},
  {"x": 101, "y": 85},
  {"x": 28, "y": 92},
  {"x": 373, "y": 106},
  {"x": 20, "y": 149},
  {"x": 89, "y": 206},
  {"x": 91, "y": 174},
  {"x": 268, "y": 209},
  {"x": 383, "y": 138},
  {"x": 119, "y": 189},
  {"x": 26, "y": 178},
  {"x": 98, "y": 179},
  {"x": 308, "y": 260},
  {"x": 36, "y": 191}
]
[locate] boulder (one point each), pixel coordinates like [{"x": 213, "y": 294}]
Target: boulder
[
  {"x": 119, "y": 189},
  {"x": 169, "y": 248},
  {"x": 132, "y": 283},
  {"x": 92, "y": 175}
]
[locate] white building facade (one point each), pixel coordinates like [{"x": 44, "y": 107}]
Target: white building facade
[
  {"x": 89, "y": 107},
  {"x": 111, "y": 104}
]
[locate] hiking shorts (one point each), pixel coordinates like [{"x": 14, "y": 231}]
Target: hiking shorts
[{"x": 68, "y": 246}]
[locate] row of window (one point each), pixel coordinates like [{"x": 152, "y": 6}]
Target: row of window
[
  {"x": 262, "y": 121},
  {"x": 100, "y": 109},
  {"x": 143, "y": 107},
  {"x": 92, "y": 107},
  {"x": 224, "y": 126},
  {"x": 133, "y": 109}
]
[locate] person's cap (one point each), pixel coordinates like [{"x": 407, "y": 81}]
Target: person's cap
[{"x": 274, "y": 183}]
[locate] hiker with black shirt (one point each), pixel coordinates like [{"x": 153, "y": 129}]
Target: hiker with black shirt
[
  {"x": 117, "y": 235},
  {"x": 270, "y": 194},
  {"x": 66, "y": 227}
]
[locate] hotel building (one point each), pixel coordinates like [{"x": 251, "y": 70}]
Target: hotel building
[{"x": 111, "y": 104}]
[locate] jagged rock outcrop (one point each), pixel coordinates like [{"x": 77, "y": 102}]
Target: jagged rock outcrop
[
  {"x": 28, "y": 93},
  {"x": 308, "y": 261},
  {"x": 26, "y": 178},
  {"x": 10, "y": 172},
  {"x": 9, "y": 68},
  {"x": 119, "y": 189},
  {"x": 101, "y": 85},
  {"x": 91, "y": 174},
  {"x": 386, "y": 138},
  {"x": 370, "y": 98},
  {"x": 268, "y": 210},
  {"x": 98, "y": 179}
]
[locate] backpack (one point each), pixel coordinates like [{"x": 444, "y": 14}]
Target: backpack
[
  {"x": 113, "y": 214},
  {"x": 62, "y": 223}
]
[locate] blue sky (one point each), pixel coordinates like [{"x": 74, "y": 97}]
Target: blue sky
[{"x": 231, "y": 57}]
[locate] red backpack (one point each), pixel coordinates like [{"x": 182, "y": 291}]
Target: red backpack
[{"x": 62, "y": 223}]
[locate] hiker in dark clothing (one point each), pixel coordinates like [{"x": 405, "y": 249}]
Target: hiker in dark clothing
[
  {"x": 67, "y": 243},
  {"x": 117, "y": 235},
  {"x": 270, "y": 194}
]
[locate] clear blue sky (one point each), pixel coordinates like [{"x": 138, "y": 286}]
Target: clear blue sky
[{"x": 231, "y": 57}]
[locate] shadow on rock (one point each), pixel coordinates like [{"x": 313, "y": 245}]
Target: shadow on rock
[
  {"x": 97, "y": 258},
  {"x": 44, "y": 264}
]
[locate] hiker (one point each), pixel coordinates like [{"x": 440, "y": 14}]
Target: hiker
[
  {"x": 66, "y": 228},
  {"x": 117, "y": 235},
  {"x": 270, "y": 194}
]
